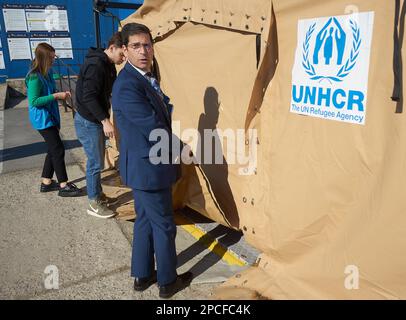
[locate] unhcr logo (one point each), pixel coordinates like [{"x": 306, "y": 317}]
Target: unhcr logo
[
  {"x": 330, "y": 73},
  {"x": 331, "y": 33}
]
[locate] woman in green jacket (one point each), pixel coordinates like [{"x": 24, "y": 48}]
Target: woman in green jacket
[{"x": 44, "y": 117}]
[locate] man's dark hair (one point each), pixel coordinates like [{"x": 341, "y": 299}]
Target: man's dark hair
[
  {"x": 133, "y": 28},
  {"x": 116, "y": 40}
]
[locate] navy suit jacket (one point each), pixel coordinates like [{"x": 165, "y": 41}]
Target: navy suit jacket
[{"x": 138, "y": 110}]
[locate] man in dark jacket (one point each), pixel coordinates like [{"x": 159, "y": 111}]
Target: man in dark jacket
[
  {"x": 92, "y": 120},
  {"x": 142, "y": 110}
]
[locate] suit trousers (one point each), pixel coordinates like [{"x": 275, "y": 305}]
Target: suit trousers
[{"x": 154, "y": 233}]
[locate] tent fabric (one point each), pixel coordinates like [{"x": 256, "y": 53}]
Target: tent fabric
[
  {"x": 324, "y": 201},
  {"x": 201, "y": 105},
  {"x": 163, "y": 16}
]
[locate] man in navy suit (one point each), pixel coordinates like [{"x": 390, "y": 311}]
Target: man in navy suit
[{"x": 141, "y": 108}]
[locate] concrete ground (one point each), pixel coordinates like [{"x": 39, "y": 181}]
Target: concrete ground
[{"x": 91, "y": 256}]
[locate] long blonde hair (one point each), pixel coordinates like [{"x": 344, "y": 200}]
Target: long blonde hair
[{"x": 43, "y": 59}]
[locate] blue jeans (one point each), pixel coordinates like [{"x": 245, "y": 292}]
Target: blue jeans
[{"x": 91, "y": 136}]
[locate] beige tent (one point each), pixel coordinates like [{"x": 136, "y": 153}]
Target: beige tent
[{"x": 325, "y": 197}]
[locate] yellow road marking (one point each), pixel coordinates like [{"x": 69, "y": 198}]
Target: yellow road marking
[{"x": 210, "y": 243}]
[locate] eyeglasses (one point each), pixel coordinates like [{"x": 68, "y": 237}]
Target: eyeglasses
[{"x": 137, "y": 46}]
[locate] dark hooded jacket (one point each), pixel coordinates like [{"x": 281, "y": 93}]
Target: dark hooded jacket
[{"x": 94, "y": 85}]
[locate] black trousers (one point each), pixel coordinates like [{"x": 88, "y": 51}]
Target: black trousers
[{"x": 55, "y": 159}]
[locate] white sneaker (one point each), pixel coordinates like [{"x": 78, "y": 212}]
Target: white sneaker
[{"x": 98, "y": 209}]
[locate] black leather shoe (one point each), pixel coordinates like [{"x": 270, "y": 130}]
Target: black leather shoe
[
  {"x": 141, "y": 284},
  {"x": 70, "y": 190},
  {"x": 181, "y": 282},
  {"x": 53, "y": 186}
]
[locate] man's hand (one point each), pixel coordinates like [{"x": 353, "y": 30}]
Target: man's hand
[{"x": 108, "y": 128}]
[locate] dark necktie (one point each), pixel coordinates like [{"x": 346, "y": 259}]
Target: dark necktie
[{"x": 154, "y": 83}]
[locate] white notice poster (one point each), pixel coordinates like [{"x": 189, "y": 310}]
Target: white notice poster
[
  {"x": 34, "y": 43},
  {"x": 56, "y": 20},
  {"x": 19, "y": 48},
  {"x": 2, "y": 65},
  {"x": 63, "y": 47},
  {"x": 63, "y": 20},
  {"x": 14, "y": 20},
  {"x": 36, "y": 20}
]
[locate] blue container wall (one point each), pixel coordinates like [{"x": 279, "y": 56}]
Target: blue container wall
[
  {"x": 107, "y": 24},
  {"x": 81, "y": 28}
]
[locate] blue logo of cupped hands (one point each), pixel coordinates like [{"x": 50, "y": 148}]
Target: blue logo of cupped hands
[{"x": 329, "y": 50}]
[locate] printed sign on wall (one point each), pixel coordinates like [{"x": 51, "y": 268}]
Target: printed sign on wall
[
  {"x": 30, "y": 24},
  {"x": 34, "y": 42},
  {"x": 330, "y": 73},
  {"x": 63, "y": 47},
  {"x": 18, "y": 46},
  {"x": 14, "y": 18}
]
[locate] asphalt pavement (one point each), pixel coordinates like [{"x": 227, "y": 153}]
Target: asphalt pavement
[{"x": 51, "y": 249}]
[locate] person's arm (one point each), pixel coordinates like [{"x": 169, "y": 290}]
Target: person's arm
[
  {"x": 35, "y": 99},
  {"x": 108, "y": 128},
  {"x": 133, "y": 104},
  {"x": 167, "y": 101},
  {"x": 93, "y": 79}
]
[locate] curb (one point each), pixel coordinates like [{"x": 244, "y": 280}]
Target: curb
[
  {"x": 209, "y": 242},
  {"x": 3, "y": 95}
]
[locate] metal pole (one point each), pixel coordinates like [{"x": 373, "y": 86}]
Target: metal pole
[
  {"x": 60, "y": 82},
  {"x": 70, "y": 87},
  {"x": 70, "y": 90},
  {"x": 97, "y": 27},
  {"x": 121, "y": 5}
]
